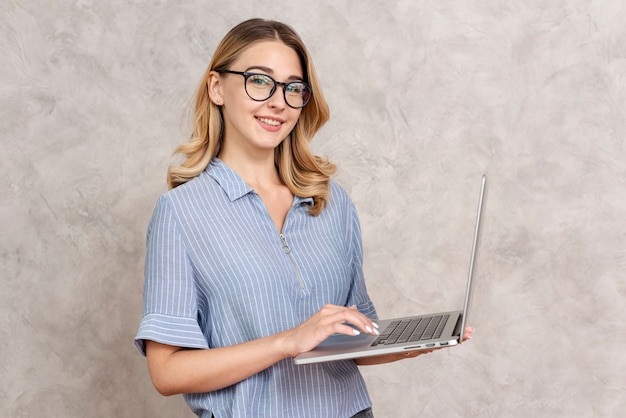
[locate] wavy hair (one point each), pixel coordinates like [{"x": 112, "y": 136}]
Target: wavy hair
[{"x": 302, "y": 172}]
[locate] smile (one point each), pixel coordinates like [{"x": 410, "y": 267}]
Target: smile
[{"x": 271, "y": 122}]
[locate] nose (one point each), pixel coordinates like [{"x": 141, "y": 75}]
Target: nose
[{"x": 277, "y": 99}]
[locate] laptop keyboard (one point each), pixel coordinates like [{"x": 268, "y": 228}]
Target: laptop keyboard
[{"x": 411, "y": 330}]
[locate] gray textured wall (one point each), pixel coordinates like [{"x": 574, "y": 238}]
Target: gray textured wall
[{"x": 425, "y": 97}]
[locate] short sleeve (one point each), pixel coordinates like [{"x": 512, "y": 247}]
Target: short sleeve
[{"x": 170, "y": 305}]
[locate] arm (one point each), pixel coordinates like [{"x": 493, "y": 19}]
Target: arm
[{"x": 176, "y": 370}]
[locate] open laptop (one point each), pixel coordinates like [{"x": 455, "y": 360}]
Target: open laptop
[{"x": 422, "y": 332}]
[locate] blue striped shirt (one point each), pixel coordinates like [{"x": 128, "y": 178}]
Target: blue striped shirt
[{"x": 219, "y": 273}]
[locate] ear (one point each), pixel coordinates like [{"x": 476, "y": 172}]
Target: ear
[{"x": 214, "y": 88}]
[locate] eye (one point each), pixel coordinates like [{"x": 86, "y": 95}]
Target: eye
[
  {"x": 260, "y": 80},
  {"x": 295, "y": 88}
]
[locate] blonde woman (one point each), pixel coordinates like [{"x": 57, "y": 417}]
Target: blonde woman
[{"x": 254, "y": 255}]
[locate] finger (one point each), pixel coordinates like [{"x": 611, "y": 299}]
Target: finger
[
  {"x": 361, "y": 321},
  {"x": 346, "y": 329},
  {"x": 349, "y": 315},
  {"x": 469, "y": 331}
]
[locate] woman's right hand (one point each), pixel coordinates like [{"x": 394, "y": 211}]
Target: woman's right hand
[{"x": 331, "y": 319}]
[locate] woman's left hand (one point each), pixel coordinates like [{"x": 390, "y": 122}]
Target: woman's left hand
[{"x": 467, "y": 335}]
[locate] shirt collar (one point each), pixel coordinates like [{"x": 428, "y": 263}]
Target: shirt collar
[{"x": 234, "y": 186}]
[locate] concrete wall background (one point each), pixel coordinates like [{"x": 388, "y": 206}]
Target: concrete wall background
[{"x": 425, "y": 97}]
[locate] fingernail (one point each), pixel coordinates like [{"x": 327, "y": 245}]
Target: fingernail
[
  {"x": 376, "y": 332},
  {"x": 367, "y": 327},
  {"x": 356, "y": 332},
  {"x": 375, "y": 324}
]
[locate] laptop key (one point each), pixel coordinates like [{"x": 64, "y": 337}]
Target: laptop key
[
  {"x": 393, "y": 338},
  {"x": 432, "y": 326},
  {"x": 441, "y": 326},
  {"x": 408, "y": 331},
  {"x": 419, "y": 331}
]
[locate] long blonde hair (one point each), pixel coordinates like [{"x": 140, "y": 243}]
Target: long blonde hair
[{"x": 302, "y": 172}]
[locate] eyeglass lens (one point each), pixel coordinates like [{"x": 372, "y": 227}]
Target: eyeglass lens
[{"x": 261, "y": 87}]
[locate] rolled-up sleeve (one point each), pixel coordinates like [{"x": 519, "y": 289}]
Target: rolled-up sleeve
[{"x": 170, "y": 307}]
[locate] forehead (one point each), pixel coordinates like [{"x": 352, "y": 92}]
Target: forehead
[{"x": 273, "y": 55}]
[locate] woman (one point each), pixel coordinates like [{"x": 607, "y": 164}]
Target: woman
[{"x": 255, "y": 255}]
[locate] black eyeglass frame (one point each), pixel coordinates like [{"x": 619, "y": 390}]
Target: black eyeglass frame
[{"x": 284, "y": 85}]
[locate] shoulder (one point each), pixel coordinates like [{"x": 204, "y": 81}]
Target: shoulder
[
  {"x": 339, "y": 196},
  {"x": 340, "y": 203},
  {"x": 191, "y": 192},
  {"x": 201, "y": 182},
  {"x": 188, "y": 198}
]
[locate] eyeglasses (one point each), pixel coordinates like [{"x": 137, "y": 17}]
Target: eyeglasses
[{"x": 261, "y": 87}]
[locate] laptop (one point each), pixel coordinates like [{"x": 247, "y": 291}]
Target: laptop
[{"x": 422, "y": 332}]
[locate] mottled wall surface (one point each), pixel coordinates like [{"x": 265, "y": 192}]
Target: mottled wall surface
[{"x": 425, "y": 97}]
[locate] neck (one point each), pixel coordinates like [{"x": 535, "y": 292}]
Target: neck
[{"x": 257, "y": 172}]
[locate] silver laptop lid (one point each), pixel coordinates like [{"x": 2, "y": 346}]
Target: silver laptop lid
[{"x": 473, "y": 257}]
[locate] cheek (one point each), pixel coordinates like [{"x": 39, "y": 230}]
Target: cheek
[
  {"x": 291, "y": 125},
  {"x": 235, "y": 95},
  {"x": 237, "y": 109},
  {"x": 296, "y": 117}
]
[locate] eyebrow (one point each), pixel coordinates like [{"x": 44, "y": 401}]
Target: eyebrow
[{"x": 270, "y": 71}]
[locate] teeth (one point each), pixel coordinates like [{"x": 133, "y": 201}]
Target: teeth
[{"x": 270, "y": 121}]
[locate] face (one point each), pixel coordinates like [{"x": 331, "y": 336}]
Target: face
[{"x": 251, "y": 126}]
